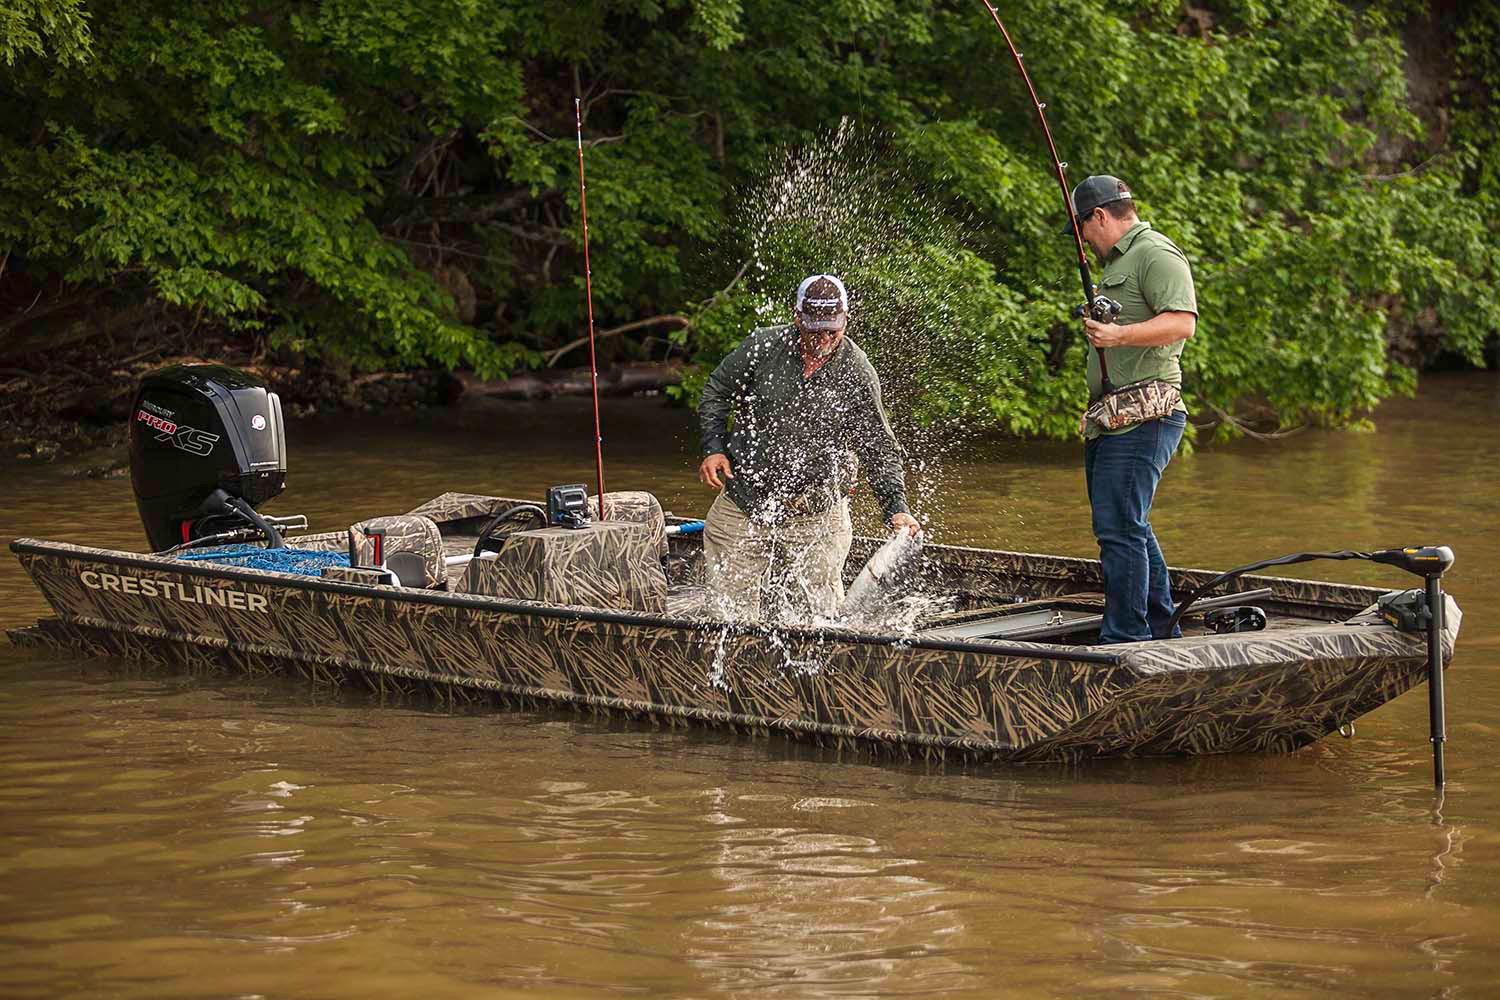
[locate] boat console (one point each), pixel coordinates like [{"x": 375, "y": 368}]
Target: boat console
[{"x": 604, "y": 564}]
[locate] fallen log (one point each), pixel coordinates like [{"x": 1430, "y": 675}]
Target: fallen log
[{"x": 626, "y": 380}]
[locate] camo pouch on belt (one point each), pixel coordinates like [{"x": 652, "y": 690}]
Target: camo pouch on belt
[{"x": 1134, "y": 404}]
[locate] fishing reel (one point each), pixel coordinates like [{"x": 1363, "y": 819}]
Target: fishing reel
[{"x": 1102, "y": 310}]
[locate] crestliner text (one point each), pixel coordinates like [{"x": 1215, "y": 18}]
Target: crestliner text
[{"x": 221, "y": 597}]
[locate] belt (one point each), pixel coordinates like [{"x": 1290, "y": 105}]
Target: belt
[{"x": 815, "y": 501}]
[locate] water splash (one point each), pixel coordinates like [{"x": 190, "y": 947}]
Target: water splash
[
  {"x": 852, "y": 203},
  {"x": 849, "y": 203}
]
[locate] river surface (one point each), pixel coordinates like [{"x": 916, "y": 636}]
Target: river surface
[{"x": 168, "y": 836}]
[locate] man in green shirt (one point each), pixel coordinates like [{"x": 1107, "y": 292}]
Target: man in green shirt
[
  {"x": 1151, "y": 279},
  {"x": 806, "y": 405}
]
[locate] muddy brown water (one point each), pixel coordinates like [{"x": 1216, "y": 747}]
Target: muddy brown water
[{"x": 173, "y": 836}]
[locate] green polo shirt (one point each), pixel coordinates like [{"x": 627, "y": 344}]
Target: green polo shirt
[{"x": 1147, "y": 275}]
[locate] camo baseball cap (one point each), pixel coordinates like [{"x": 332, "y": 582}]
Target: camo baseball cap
[
  {"x": 822, "y": 303},
  {"x": 1093, "y": 192}
]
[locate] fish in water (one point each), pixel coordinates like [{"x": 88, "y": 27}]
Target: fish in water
[{"x": 874, "y": 590}]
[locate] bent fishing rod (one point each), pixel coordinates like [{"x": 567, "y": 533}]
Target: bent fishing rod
[
  {"x": 1097, "y": 307},
  {"x": 588, "y": 285}
]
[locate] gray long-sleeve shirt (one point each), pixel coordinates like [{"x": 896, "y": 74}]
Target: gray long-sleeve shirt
[{"x": 795, "y": 439}]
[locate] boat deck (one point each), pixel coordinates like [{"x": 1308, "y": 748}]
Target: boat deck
[{"x": 687, "y": 598}]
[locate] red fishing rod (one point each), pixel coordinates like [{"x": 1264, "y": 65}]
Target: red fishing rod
[
  {"x": 1098, "y": 307},
  {"x": 588, "y": 285}
]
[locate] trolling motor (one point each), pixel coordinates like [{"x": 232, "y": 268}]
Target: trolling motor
[
  {"x": 1408, "y": 610},
  {"x": 207, "y": 447}
]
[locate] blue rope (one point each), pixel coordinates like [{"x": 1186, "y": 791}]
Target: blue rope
[{"x": 304, "y": 562}]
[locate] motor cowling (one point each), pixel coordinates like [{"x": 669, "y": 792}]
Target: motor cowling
[{"x": 196, "y": 430}]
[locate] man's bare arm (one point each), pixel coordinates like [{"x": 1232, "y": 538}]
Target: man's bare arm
[{"x": 1158, "y": 331}]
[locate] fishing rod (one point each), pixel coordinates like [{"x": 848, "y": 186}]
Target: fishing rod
[
  {"x": 588, "y": 285},
  {"x": 1097, "y": 307}
]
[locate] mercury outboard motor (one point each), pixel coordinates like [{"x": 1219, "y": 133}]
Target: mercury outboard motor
[{"x": 207, "y": 446}]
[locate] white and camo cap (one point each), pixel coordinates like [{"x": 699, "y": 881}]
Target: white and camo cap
[{"x": 822, "y": 303}]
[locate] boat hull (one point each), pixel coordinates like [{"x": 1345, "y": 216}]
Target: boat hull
[{"x": 1017, "y": 701}]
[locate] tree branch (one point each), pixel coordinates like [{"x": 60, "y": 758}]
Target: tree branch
[
  {"x": 677, "y": 320},
  {"x": 1245, "y": 429},
  {"x": 554, "y": 237},
  {"x": 459, "y": 210},
  {"x": 532, "y": 128},
  {"x": 1409, "y": 171},
  {"x": 672, "y": 318}
]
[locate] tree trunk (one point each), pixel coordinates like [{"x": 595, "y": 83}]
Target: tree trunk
[{"x": 623, "y": 381}]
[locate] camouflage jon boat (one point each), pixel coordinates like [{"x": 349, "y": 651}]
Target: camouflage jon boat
[
  {"x": 599, "y": 619},
  {"x": 609, "y": 614}
]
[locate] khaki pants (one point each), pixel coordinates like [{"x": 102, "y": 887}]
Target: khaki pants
[{"x": 783, "y": 572}]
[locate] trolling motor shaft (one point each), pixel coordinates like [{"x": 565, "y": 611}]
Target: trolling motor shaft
[
  {"x": 1437, "y": 715},
  {"x": 1429, "y": 562}
]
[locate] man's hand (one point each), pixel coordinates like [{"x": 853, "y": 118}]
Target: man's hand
[
  {"x": 906, "y": 522},
  {"x": 713, "y": 467},
  {"x": 1104, "y": 334}
]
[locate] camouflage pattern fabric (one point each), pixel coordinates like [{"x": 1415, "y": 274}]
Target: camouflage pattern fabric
[
  {"x": 609, "y": 564},
  {"x": 412, "y": 548},
  {"x": 624, "y": 505},
  {"x": 636, "y": 506},
  {"x": 451, "y": 507},
  {"x": 1134, "y": 404}
]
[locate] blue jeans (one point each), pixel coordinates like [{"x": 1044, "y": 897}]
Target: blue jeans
[{"x": 1122, "y": 472}]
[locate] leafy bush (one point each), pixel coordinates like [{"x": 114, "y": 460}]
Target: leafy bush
[{"x": 392, "y": 183}]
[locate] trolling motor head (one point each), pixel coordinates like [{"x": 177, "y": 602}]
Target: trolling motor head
[
  {"x": 207, "y": 447},
  {"x": 1423, "y": 560}
]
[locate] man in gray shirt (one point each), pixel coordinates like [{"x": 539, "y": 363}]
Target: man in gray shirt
[{"x": 806, "y": 405}]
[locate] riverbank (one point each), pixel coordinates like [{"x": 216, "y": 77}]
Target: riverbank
[
  {"x": 76, "y": 401},
  {"x": 73, "y": 405}
]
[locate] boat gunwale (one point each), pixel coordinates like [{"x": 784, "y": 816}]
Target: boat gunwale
[
  {"x": 85, "y": 553},
  {"x": 1184, "y": 578}
]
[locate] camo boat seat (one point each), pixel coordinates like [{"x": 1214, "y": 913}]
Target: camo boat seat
[
  {"x": 408, "y": 545},
  {"x": 638, "y": 507},
  {"x": 609, "y": 564}
]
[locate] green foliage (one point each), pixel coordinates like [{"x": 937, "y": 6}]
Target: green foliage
[
  {"x": 388, "y": 182},
  {"x": 32, "y": 27}
]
